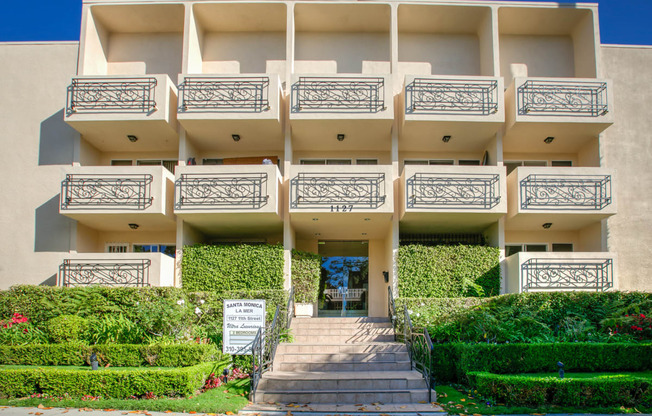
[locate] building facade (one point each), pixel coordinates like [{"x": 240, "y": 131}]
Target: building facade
[{"x": 340, "y": 128}]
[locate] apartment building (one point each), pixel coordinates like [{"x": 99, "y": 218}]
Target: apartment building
[{"x": 340, "y": 128}]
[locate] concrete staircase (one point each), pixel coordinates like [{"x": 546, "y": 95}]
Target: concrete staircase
[{"x": 343, "y": 361}]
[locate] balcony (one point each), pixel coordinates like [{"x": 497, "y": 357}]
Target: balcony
[
  {"x": 359, "y": 107},
  {"x": 546, "y": 272},
  {"x": 568, "y": 198},
  {"x": 117, "y": 114},
  {"x": 212, "y": 108},
  {"x": 469, "y": 109},
  {"x": 451, "y": 198},
  {"x": 116, "y": 269},
  {"x": 571, "y": 110},
  {"x": 341, "y": 201},
  {"x": 230, "y": 200},
  {"x": 110, "y": 198}
]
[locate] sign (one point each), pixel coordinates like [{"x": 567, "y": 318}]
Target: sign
[{"x": 242, "y": 318}]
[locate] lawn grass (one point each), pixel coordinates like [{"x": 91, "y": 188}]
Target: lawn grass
[
  {"x": 228, "y": 398},
  {"x": 457, "y": 400}
]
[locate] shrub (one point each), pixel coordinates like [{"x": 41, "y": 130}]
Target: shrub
[
  {"x": 448, "y": 271},
  {"x": 223, "y": 268},
  {"x": 587, "y": 392},
  {"x": 18, "y": 330},
  {"x": 66, "y": 328},
  {"x": 306, "y": 271},
  {"x": 115, "y": 329},
  {"x": 107, "y": 383}
]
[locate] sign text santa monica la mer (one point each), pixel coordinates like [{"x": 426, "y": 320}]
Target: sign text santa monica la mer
[{"x": 242, "y": 318}]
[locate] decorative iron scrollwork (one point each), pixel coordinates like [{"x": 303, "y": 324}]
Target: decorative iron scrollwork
[
  {"x": 344, "y": 191},
  {"x": 452, "y": 191},
  {"x": 106, "y": 192},
  {"x": 221, "y": 191},
  {"x": 133, "y": 273},
  {"x": 111, "y": 94},
  {"x": 563, "y": 98},
  {"x": 224, "y": 94},
  {"x": 572, "y": 192},
  {"x": 445, "y": 96},
  {"x": 567, "y": 274},
  {"x": 338, "y": 95}
]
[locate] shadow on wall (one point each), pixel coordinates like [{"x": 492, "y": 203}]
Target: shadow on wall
[
  {"x": 51, "y": 229},
  {"x": 57, "y": 144},
  {"x": 50, "y": 281}
]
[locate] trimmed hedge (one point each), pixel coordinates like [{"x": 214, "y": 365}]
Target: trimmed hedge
[
  {"x": 448, "y": 271},
  {"x": 221, "y": 268},
  {"x": 182, "y": 355},
  {"x": 452, "y": 362},
  {"x": 306, "y": 271},
  {"x": 516, "y": 390},
  {"x": 427, "y": 311},
  {"x": 108, "y": 383}
]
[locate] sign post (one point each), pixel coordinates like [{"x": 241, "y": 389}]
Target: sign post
[{"x": 242, "y": 318}]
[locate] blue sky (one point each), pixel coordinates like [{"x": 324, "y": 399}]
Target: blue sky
[{"x": 621, "y": 21}]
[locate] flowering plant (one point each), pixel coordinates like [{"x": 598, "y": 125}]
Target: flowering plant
[
  {"x": 638, "y": 325},
  {"x": 18, "y": 331}
]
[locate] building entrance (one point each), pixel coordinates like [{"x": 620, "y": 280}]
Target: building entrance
[{"x": 344, "y": 284}]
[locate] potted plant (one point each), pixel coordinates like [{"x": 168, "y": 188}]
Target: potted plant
[{"x": 306, "y": 269}]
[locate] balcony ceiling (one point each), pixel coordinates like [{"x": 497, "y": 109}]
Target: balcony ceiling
[
  {"x": 341, "y": 225},
  {"x": 239, "y": 17},
  {"x": 560, "y": 221},
  {"x": 140, "y": 18},
  {"x": 342, "y": 17},
  {"x": 418, "y": 18},
  {"x": 558, "y": 20},
  {"x": 234, "y": 225},
  {"x": 120, "y": 221}
]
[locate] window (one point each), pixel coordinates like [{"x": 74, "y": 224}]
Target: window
[
  {"x": 559, "y": 163},
  {"x": 429, "y": 162},
  {"x": 469, "y": 162},
  {"x": 121, "y": 163},
  {"x": 167, "y": 249},
  {"x": 415, "y": 162},
  {"x": 562, "y": 247},
  {"x": 212, "y": 162},
  {"x": 366, "y": 161},
  {"x": 517, "y": 248},
  {"x": 513, "y": 164},
  {"x": 325, "y": 161},
  {"x": 338, "y": 161},
  {"x": 168, "y": 164},
  {"x": 117, "y": 247}
]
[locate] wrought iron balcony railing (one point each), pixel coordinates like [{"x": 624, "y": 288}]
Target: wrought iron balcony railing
[
  {"x": 549, "y": 274},
  {"x": 563, "y": 98},
  {"x": 571, "y": 192},
  {"x": 338, "y": 95},
  {"x": 224, "y": 94},
  {"x": 452, "y": 191},
  {"x": 106, "y": 191},
  {"x": 221, "y": 191},
  {"x": 445, "y": 96},
  {"x": 104, "y": 272},
  {"x": 106, "y": 95},
  {"x": 339, "y": 192}
]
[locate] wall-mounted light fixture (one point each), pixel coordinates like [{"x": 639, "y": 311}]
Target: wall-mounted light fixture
[
  {"x": 386, "y": 276},
  {"x": 446, "y": 139},
  {"x": 235, "y": 137},
  {"x": 134, "y": 226},
  {"x": 132, "y": 138},
  {"x": 547, "y": 225},
  {"x": 340, "y": 137},
  {"x": 548, "y": 140}
]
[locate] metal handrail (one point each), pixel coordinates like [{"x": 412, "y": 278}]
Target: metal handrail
[
  {"x": 106, "y": 191},
  {"x": 572, "y": 192},
  {"x": 338, "y": 95},
  {"x": 224, "y": 94},
  {"x": 341, "y": 192},
  {"x": 419, "y": 344},
  {"x": 564, "y": 98},
  {"x": 452, "y": 191},
  {"x": 567, "y": 274},
  {"x": 451, "y": 96},
  {"x": 263, "y": 348},
  {"x": 111, "y": 94},
  {"x": 221, "y": 191},
  {"x": 133, "y": 273}
]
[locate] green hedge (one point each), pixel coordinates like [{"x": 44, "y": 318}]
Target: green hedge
[
  {"x": 448, "y": 271},
  {"x": 182, "y": 355},
  {"x": 108, "y": 383},
  {"x": 427, "y": 311},
  {"x": 451, "y": 362},
  {"x": 514, "y": 390},
  {"x": 306, "y": 271},
  {"x": 221, "y": 268}
]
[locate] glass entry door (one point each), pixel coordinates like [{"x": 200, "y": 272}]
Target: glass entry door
[{"x": 344, "y": 284}]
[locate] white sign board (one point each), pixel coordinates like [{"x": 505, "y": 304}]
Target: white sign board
[{"x": 242, "y": 318}]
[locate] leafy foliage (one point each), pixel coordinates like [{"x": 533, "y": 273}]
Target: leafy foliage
[
  {"x": 221, "y": 268},
  {"x": 306, "y": 271},
  {"x": 66, "y": 328},
  {"x": 448, "y": 271}
]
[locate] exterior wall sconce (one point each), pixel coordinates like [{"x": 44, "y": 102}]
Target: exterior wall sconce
[
  {"x": 386, "y": 276},
  {"x": 235, "y": 137},
  {"x": 446, "y": 139},
  {"x": 548, "y": 140},
  {"x": 134, "y": 226},
  {"x": 340, "y": 137},
  {"x": 547, "y": 225},
  {"x": 132, "y": 138}
]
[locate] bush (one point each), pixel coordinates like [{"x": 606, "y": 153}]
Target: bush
[
  {"x": 306, "y": 271},
  {"x": 18, "y": 330},
  {"x": 526, "y": 390},
  {"x": 448, "y": 271},
  {"x": 116, "y": 355},
  {"x": 223, "y": 268},
  {"x": 108, "y": 383},
  {"x": 66, "y": 328}
]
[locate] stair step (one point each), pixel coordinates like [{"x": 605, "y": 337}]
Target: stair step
[
  {"x": 347, "y": 357},
  {"x": 334, "y": 348},
  {"x": 341, "y": 320},
  {"x": 344, "y": 397},
  {"x": 343, "y": 366},
  {"x": 341, "y": 380},
  {"x": 331, "y": 331},
  {"x": 343, "y": 339},
  {"x": 344, "y": 325}
]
